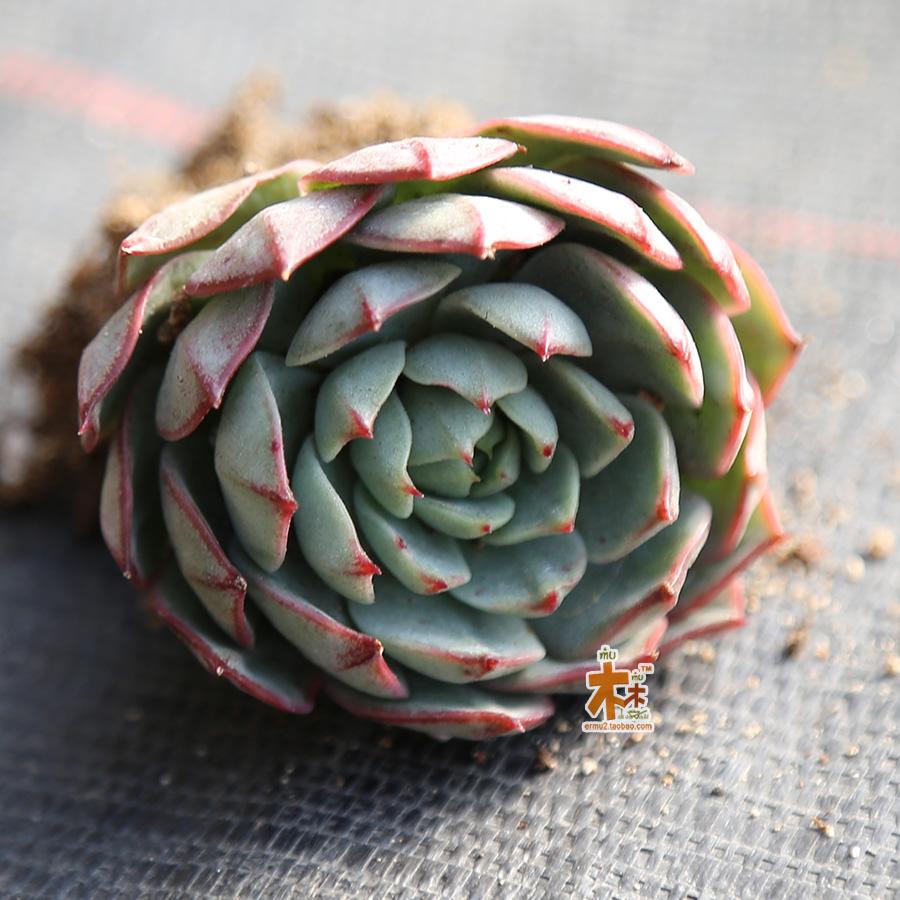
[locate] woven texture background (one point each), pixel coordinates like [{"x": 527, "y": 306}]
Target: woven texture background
[{"x": 126, "y": 771}]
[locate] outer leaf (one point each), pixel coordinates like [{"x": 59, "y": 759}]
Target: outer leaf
[
  {"x": 546, "y": 503},
  {"x": 529, "y": 315},
  {"x": 444, "y": 426},
  {"x": 467, "y": 519},
  {"x": 707, "y": 255},
  {"x": 130, "y": 514},
  {"x": 444, "y": 639},
  {"x": 708, "y": 579},
  {"x": 213, "y": 215},
  {"x": 735, "y": 495},
  {"x": 326, "y": 531},
  {"x": 315, "y": 621},
  {"x": 413, "y": 159},
  {"x": 194, "y": 518},
  {"x": 102, "y": 368},
  {"x": 205, "y": 357},
  {"x": 708, "y": 438},
  {"x": 454, "y": 223},
  {"x": 352, "y": 395},
  {"x": 724, "y": 611},
  {"x": 770, "y": 344},
  {"x": 646, "y": 583},
  {"x": 639, "y": 340},
  {"x": 266, "y": 672},
  {"x": 634, "y": 496},
  {"x": 381, "y": 462},
  {"x": 558, "y": 677},
  {"x": 592, "y": 421},
  {"x": 267, "y": 410},
  {"x": 479, "y": 371},
  {"x": 446, "y": 710},
  {"x": 423, "y": 561},
  {"x": 276, "y": 241},
  {"x": 361, "y": 301},
  {"x": 611, "y": 213},
  {"x": 547, "y": 137},
  {"x": 529, "y": 579}
]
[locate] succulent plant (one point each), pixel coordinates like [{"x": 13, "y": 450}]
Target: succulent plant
[{"x": 427, "y": 425}]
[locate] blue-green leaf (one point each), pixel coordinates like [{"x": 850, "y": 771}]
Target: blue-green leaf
[
  {"x": 529, "y": 579},
  {"x": 326, "y": 531},
  {"x": 634, "y": 496},
  {"x": 424, "y": 561},
  {"x": 266, "y": 411},
  {"x": 530, "y": 413},
  {"x": 444, "y": 426},
  {"x": 479, "y": 371},
  {"x": 351, "y": 396},
  {"x": 546, "y": 503},
  {"x": 528, "y": 314},
  {"x": 381, "y": 462},
  {"x": 591, "y": 420},
  {"x": 467, "y": 519},
  {"x": 640, "y": 342},
  {"x": 361, "y": 302},
  {"x": 444, "y": 639}
]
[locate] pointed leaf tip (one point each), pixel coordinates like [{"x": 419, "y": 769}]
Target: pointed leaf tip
[
  {"x": 186, "y": 221},
  {"x": 529, "y": 315},
  {"x": 205, "y": 357},
  {"x": 550, "y": 135},
  {"x": 614, "y": 214},
  {"x": 276, "y": 241},
  {"x": 479, "y": 371},
  {"x": 193, "y": 515},
  {"x": 456, "y": 223},
  {"x": 362, "y": 301},
  {"x": 352, "y": 395},
  {"x": 114, "y": 353}
]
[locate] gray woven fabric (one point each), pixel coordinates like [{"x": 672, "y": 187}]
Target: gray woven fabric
[{"x": 126, "y": 771}]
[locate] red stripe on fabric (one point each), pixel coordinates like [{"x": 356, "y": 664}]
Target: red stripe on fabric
[
  {"x": 102, "y": 99},
  {"x": 795, "y": 230}
]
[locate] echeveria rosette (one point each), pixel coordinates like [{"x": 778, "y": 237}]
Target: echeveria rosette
[{"x": 441, "y": 418}]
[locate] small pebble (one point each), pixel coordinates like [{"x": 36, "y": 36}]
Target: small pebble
[
  {"x": 823, "y": 827},
  {"x": 806, "y": 549},
  {"x": 544, "y": 761},
  {"x": 855, "y": 852},
  {"x": 882, "y": 542}
]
